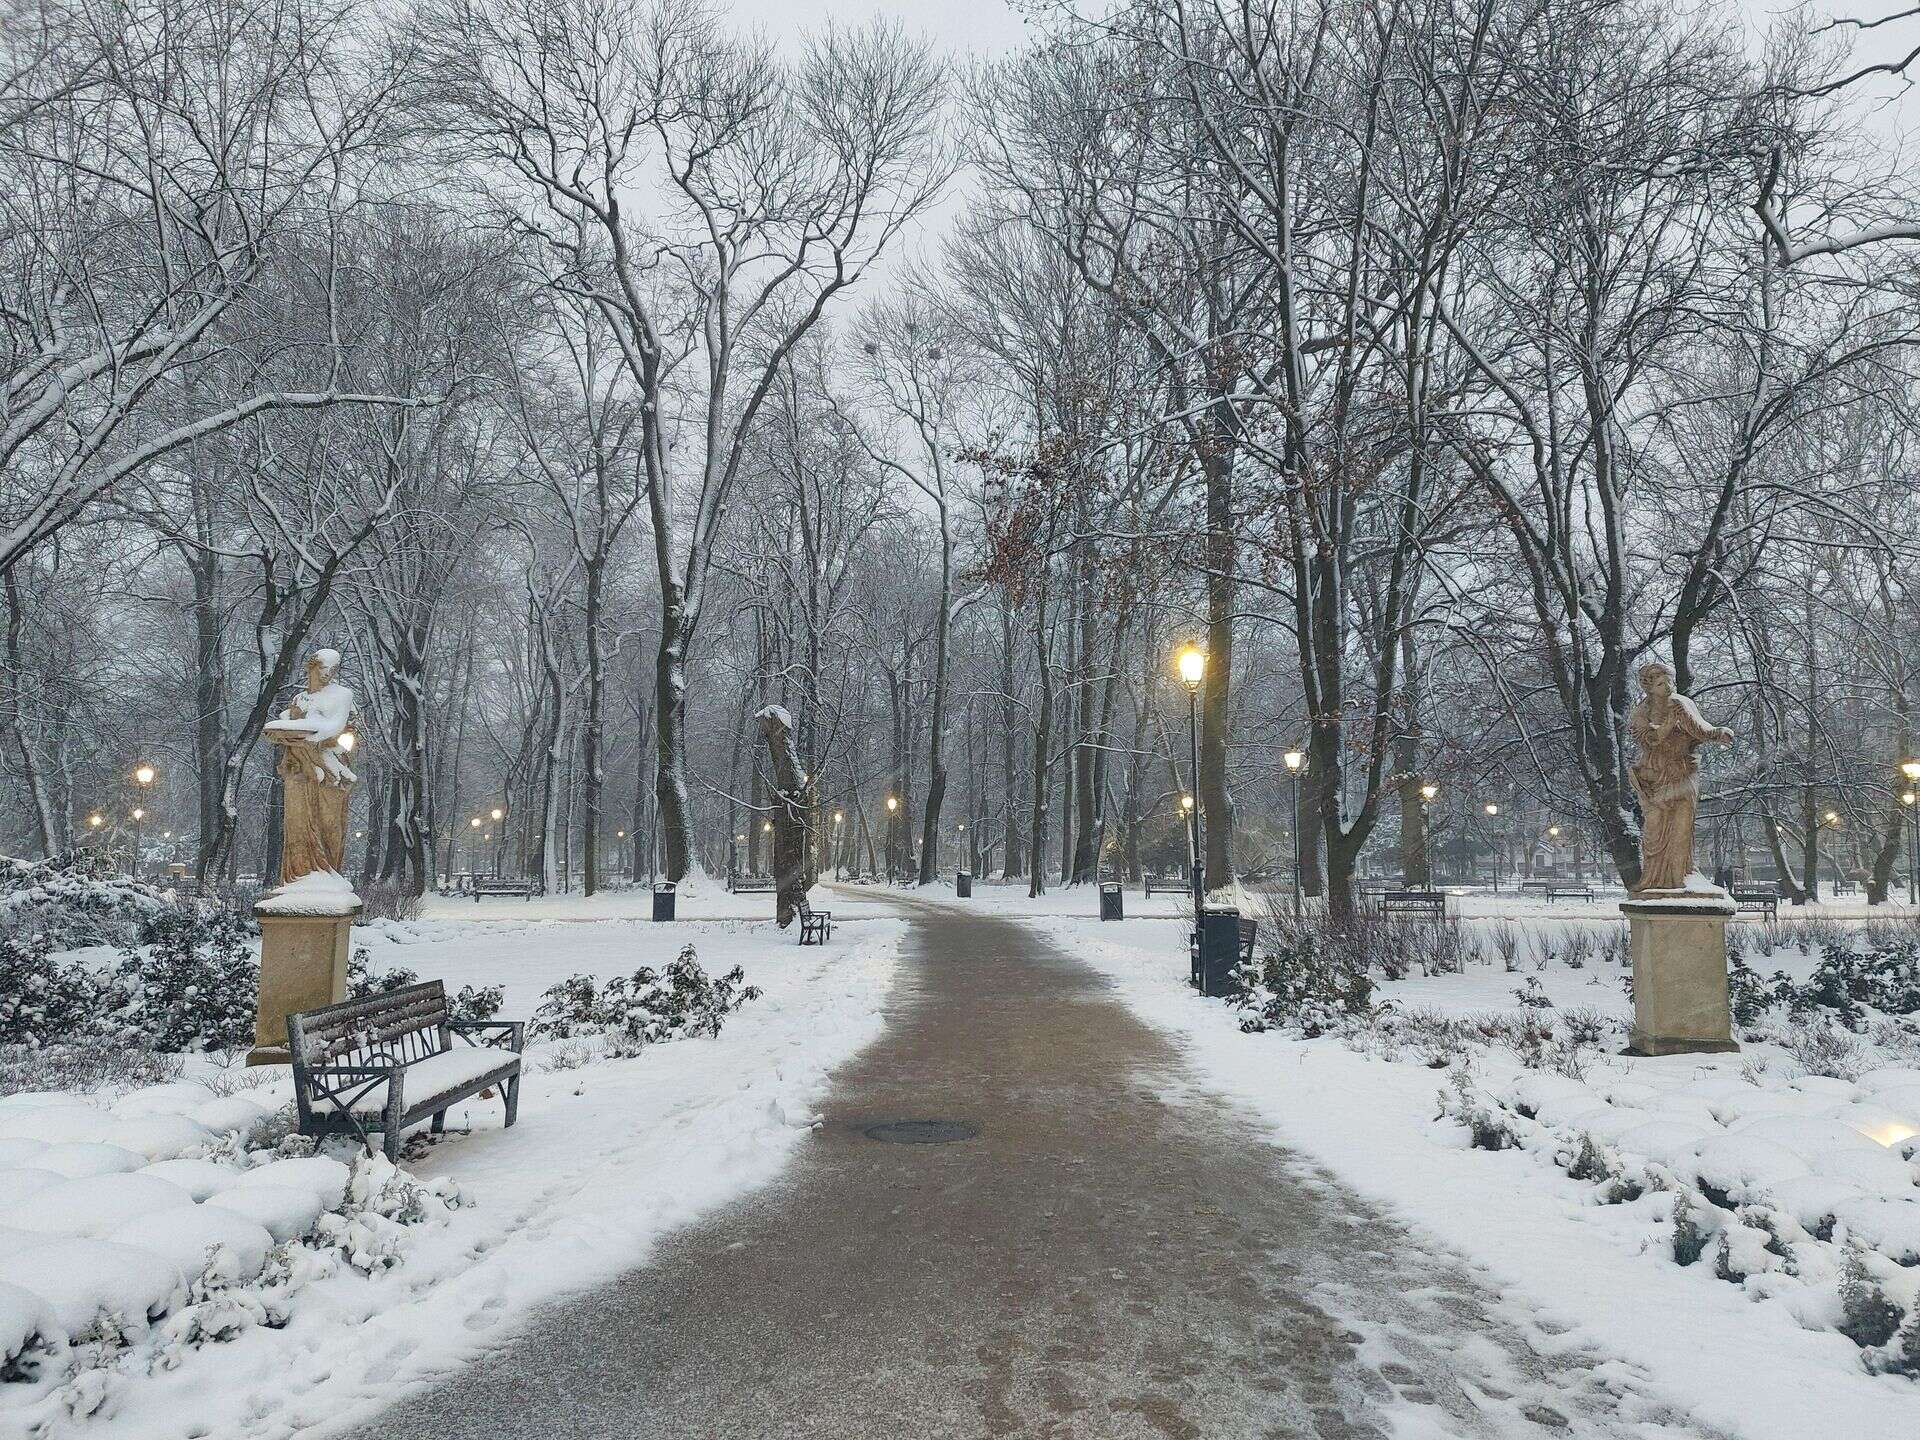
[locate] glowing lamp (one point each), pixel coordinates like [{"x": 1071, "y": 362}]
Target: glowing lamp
[
  {"x": 1192, "y": 664},
  {"x": 893, "y": 803},
  {"x": 346, "y": 741},
  {"x": 139, "y": 813},
  {"x": 1910, "y": 769},
  {"x": 95, "y": 821},
  {"x": 1294, "y": 759},
  {"x": 1186, "y": 802},
  {"x": 143, "y": 774},
  {"x": 1429, "y": 790},
  {"x": 498, "y": 814},
  {"x": 1492, "y": 809}
]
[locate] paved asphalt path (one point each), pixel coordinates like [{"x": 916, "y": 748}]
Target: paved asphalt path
[{"x": 1114, "y": 1255}]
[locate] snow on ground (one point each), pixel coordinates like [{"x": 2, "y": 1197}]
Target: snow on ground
[
  {"x": 607, "y": 1156},
  {"x": 1758, "y": 1360}
]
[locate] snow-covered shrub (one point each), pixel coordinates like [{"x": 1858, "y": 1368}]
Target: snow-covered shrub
[
  {"x": 469, "y": 1003},
  {"x": 646, "y": 1007},
  {"x": 76, "y": 900},
  {"x": 387, "y": 900},
  {"x": 43, "y": 997},
  {"x": 1300, "y": 984},
  {"x": 193, "y": 984},
  {"x": 1868, "y": 1317},
  {"x": 83, "y": 1068}
]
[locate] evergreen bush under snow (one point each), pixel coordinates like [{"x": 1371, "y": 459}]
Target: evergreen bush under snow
[{"x": 646, "y": 1007}]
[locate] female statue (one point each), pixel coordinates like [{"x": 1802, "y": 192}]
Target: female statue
[
  {"x": 1667, "y": 729},
  {"x": 313, "y": 735}
]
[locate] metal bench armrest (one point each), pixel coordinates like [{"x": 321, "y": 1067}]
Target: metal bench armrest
[{"x": 516, "y": 1031}]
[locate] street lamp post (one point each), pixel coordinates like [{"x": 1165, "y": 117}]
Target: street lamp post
[
  {"x": 1911, "y": 769},
  {"x": 839, "y": 819},
  {"x": 893, "y": 835},
  {"x": 1193, "y": 669},
  {"x": 1913, "y": 847},
  {"x": 143, "y": 776},
  {"x": 498, "y": 814},
  {"x": 1427, "y": 793},
  {"x": 1294, "y": 761},
  {"x": 1493, "y": 820}
]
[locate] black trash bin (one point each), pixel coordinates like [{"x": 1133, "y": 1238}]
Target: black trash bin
[
  {"x": 963, "y": 885},
  {"x": 1110, "y": 908},
  {"x": 1216, "y": 951},
  {"x": 663, "y": 893}
]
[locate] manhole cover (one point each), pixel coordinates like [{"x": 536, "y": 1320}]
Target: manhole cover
[{"x": 921, "y": 1132}]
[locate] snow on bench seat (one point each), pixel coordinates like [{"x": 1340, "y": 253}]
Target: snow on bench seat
[{"x": 439, "y": 1075}]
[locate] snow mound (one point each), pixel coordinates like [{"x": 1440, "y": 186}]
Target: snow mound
[
  {"x": 93, "y": 1207},
  {"x": 80, "y": 1280},
  {"x": 19, "y": 1152},
  {"x": 23, "y": 1316},
  {"x": 17, "y": 1185},
  {"x": 284, "y": 1212},
  {"x": 199, "y": 1178},
  {"x": 79, "y": 1159},
  {"x": 1733, "y": 1164},
  {"x": 1888, "y": 1077},
  {"x": 1667, "y": 1142},
  {"x": 231, "y": 1115},
  {"x": 178, "y": 1097},
  {"x": 316, "y": 1175},
  {"x": 202, "y": 1240},
  {"x": 1890, "y": 1226},
  {"x": 1807, "y": 1135}
]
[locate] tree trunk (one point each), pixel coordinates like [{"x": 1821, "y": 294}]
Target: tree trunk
[
  {"x": 792, "y": 804},
  {"x": 670, "y": 720}
]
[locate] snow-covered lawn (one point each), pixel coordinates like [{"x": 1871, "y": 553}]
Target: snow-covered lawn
[
  {"x": 1757, "y": 1357},
  {"x": 607, "y": 1156}
]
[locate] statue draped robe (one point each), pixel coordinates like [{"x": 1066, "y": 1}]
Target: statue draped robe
[{"x": 1666, "y": 778}]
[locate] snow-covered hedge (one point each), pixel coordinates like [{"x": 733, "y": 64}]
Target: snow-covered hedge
[
  {"x": 1803, "y": 1192},
  {"x": 134, "y": 1233},
  {"x": 77, "y": 900},
  {"x": 189, "y": 985}
]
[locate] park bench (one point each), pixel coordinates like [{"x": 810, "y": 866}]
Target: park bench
[
  {"x": 1761, "y": 899},
  {"x": 502, "y": 885},
  {"x": 1430, "y": 903},
  {"x": 816, "y": 926},
  {"x": 1166, "y": 882},
  {"x": 388, "y": 1061},
  {"x": 1555, "y": 889},
  {"x": 753, "y": 885}
]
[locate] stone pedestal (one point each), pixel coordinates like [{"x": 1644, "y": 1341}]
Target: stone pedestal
[
  {"x": 303, "y": 965},
  {"x": 1679, "y": 946}
]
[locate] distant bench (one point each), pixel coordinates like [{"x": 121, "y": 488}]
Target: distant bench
[
  {"x": 1760, "y": 899},
  {"x": 502, "y": 885},
  {"x": 1554, "y": 889},
  {"x": 753, "y": 884},
  {"x": 388, "y": 1061},
  {"x": 1430, "y": 903}
]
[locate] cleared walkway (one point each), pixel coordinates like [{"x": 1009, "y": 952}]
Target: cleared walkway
[{"x": 1110, "y": 1255}]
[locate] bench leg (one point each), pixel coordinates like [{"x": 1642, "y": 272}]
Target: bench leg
[
  {"x": 513, "y": 1100},
  {"x": 439, "y": 1122}
]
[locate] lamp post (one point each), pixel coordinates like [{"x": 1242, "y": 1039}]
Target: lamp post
[
  {"x": 143, "y": 776},
  {"x": 1192, "y": 664},
  {"x": 497, "y": 814},
  {"x": 1909, "y": 799},
  {"x": 1295, "y": 761},
  {"x": 839, "y": 819},
  {"x": 1427, "y": 793},
  {"x": 893, "y": 839},
  {"x": 1493, "y": 821}
]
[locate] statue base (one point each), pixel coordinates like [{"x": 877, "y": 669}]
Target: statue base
[
  {"x": 303, "y": 962},
  {"x": 1679, "y": 945}
]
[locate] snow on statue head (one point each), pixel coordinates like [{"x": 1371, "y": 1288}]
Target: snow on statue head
[{"x": 315, "y": 735}]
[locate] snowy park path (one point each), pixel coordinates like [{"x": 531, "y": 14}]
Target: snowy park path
[{"x": 1114, "y": 1254}]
